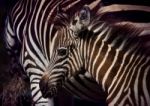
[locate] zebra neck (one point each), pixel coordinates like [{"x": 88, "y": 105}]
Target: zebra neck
[{"x": 112, "y": 55}]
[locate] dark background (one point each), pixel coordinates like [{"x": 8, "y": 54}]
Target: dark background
[{"x": 5, "y": 6}]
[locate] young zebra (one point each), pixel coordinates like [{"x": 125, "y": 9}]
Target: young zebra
[{"x": 115, "y": 56}]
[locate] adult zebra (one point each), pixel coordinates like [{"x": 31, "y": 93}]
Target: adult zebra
[
  {"x": 30, "y": 34},
  {"x": 115, "y": 56}
]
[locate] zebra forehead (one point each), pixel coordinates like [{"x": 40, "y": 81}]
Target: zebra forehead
[{"x": 63, "y": 38}]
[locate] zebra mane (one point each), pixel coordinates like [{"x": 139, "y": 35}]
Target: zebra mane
[{"x": 127, "y": 32}]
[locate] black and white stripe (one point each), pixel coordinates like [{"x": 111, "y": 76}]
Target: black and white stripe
[
  {"x": 30, "y": 35},
  {"x": 114, "y": 55}
]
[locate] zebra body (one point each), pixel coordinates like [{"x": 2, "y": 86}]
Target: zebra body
[
  {"x": 114, "y": 56},
  {"x": 30, "y": 34}
]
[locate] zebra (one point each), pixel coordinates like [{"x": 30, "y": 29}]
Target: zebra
[
  {"x": 30, "y": 33},
  {"x": 115, "y": 56},
  {"x": 22, "y": 21}
]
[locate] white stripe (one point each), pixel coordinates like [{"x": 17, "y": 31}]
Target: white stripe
[
  {"x": 35, "y": 70},
  {"x": 145, "y": 86},
  {"x": 142, "y": 101},
  {"x": 38, "y": 95},
  {"x": 110, "y": 68},
  {"x": 16, "y": 8},
  {"x": 52, "y": 42},
  {"x": 145, "y": 25},
  {"x": 10, "y": 29},
  {"x": 19, "y": 24},
  {"x": 70, "y": 5},
  {"x": 134, "y": 70},
  {"x": 52, "y": 11},
  {"x": 99, "y": 28},
  {"x": 45, "y": 29},
  {"x": 125, "y": 98},
  {"x": 10, "y": 40},
  {"x": 118, "y": 80},
  {"x": 94, "y": 4},
  {"x": 119, "y": 70},
  {"x": 96, "y": 58},
  {"x": 93, "y": 49},
  {"x": 35, "y": 81},
  {"x": 102, "y": 63},
  {"x": 25, "y": 54},
  {"x": 117, "y": 7},
  {"x": 17, "y": 13},
  {"x": 35, "y": 21},
  {"x": 37, "y": 61},
  {"x": 27, "y": 61},
  {"x": 31, "y": 24},
  {"x": 39, "y": 53},
  {"x": 136, "y": 81},
  {"x": 36, "y": 88},
  {"x": 117, "y": 96}
]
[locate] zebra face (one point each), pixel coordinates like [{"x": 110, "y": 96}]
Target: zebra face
[
  {"x": 59, "y": 70},
  {"x": 66, "y": 61},
  {"x": 54, "y": 77}
]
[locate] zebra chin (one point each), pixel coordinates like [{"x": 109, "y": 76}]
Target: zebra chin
[
  {"x": 51, "y": 92},
  {"x": 49, "y": 89}
]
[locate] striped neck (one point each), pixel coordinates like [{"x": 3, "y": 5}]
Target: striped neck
[{"x": 112, "y": 52}]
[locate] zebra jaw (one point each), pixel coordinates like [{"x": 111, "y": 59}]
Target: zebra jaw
[{"x": 48, "y": 88}]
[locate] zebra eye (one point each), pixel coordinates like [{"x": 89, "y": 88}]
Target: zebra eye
[{"x": 62, "y": 51}]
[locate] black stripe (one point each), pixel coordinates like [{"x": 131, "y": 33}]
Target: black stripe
[
  {"x": 134, "y": 2},
  {"x": 130, "y": 15}
]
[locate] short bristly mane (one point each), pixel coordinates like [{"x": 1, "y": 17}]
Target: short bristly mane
[{"x": 125, "y": 32}]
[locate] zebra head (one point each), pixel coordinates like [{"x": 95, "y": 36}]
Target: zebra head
[
  {"x": 59, "y": 71},
  {"x": 54, "y": 77},
  {"x": 61, "y": 62}
]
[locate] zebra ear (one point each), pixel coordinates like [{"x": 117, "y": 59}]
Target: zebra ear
[
  {"x": 81, "y": 20},
  {"x": 84, "y": 16}
]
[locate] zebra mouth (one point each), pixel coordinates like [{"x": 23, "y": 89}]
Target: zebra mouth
[
  {"x": 48, "y": 89},
  {"x": 51, "y": 92}
]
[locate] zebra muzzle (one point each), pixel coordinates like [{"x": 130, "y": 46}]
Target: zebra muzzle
[{"x": 48, "y": 88}]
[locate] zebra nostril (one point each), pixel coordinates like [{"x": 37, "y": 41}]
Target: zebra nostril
[
  {"x": 52, "y": 91},
  {"x": 49, "y": 89},
  {"x": 44, "y": 86}
]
